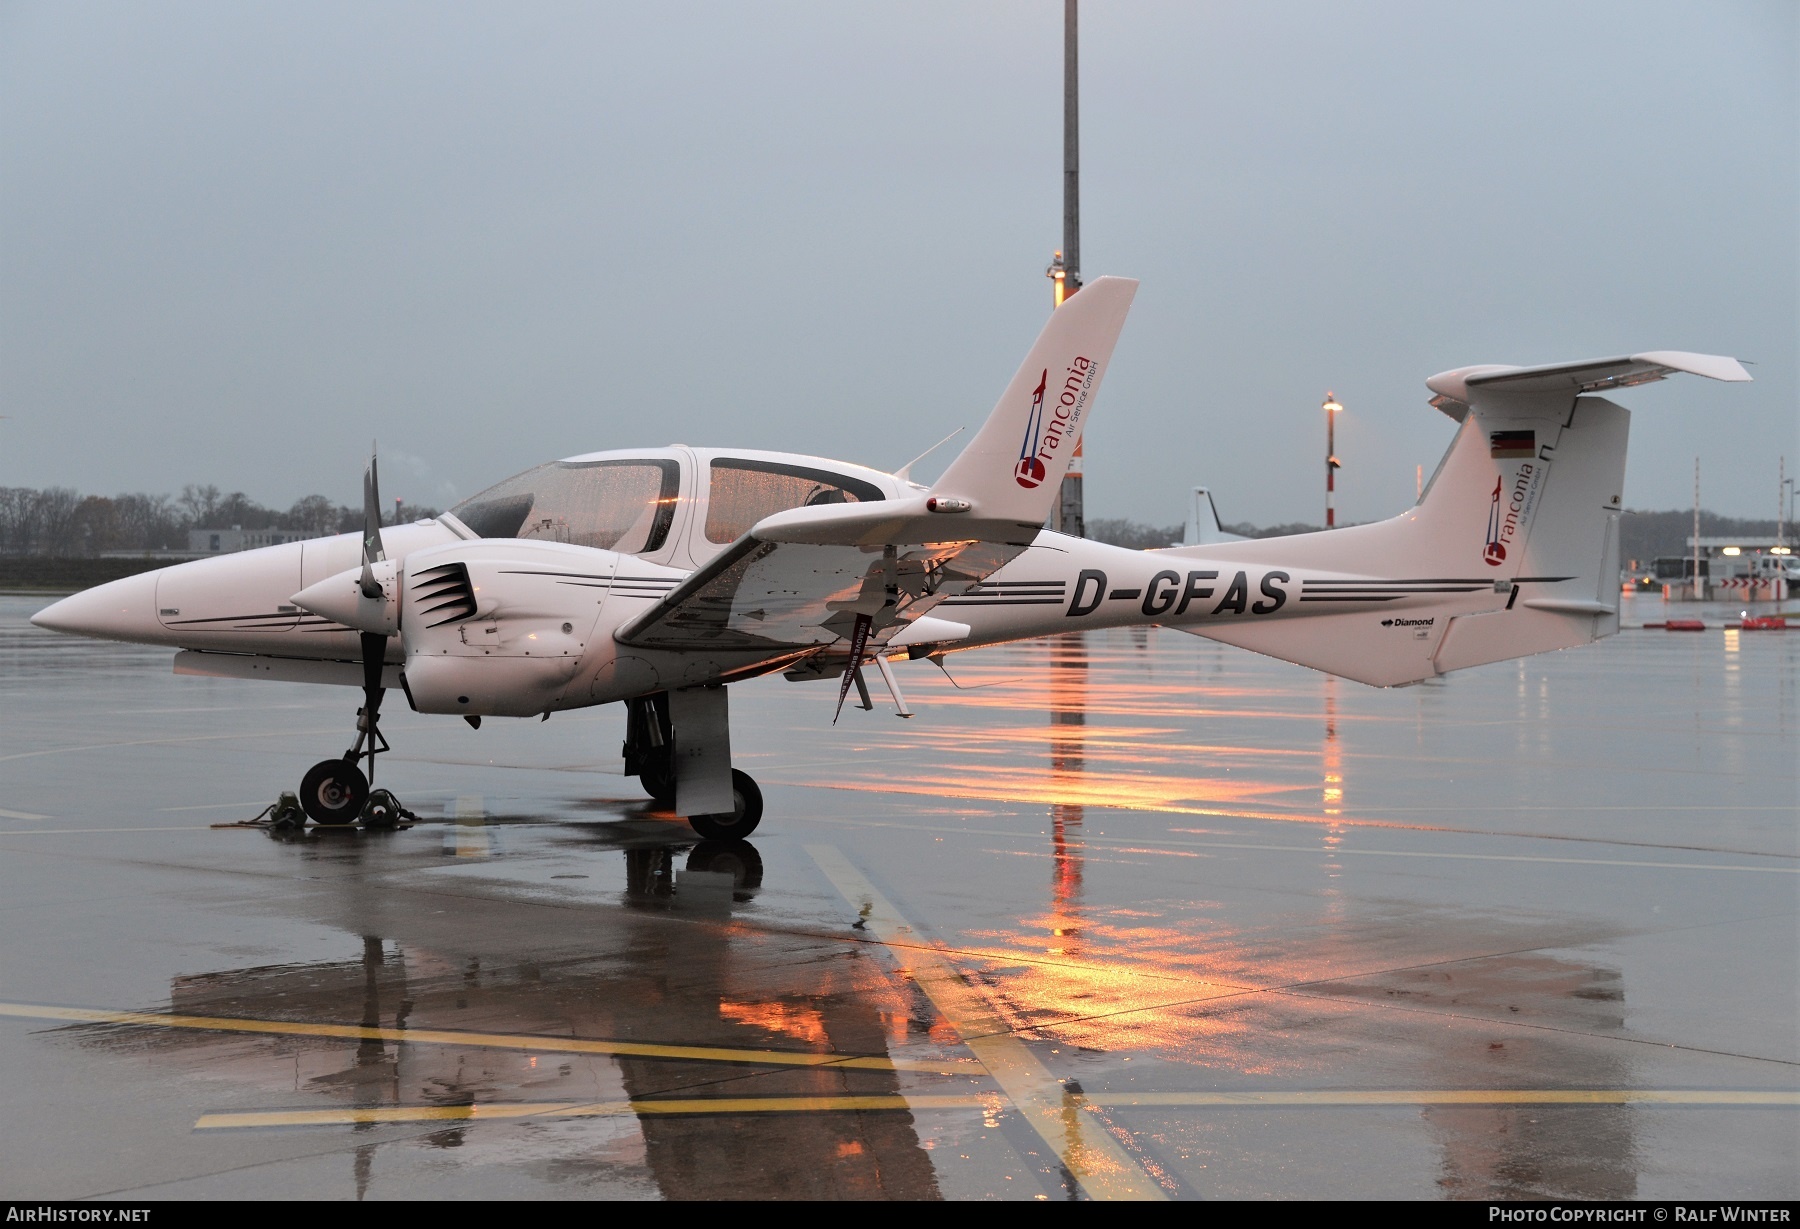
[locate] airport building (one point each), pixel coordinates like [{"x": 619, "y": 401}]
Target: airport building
[
  {"x": 237, "y": 538},
  {"x": 1748, "y": 569}
]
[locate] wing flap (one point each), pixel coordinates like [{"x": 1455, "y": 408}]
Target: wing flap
[{"x": 776, "y": 597}]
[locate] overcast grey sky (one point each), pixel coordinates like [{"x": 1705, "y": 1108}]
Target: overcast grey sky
[{"x": 238, "y": 241}]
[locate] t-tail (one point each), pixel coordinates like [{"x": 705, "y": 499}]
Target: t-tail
[{"x": 1513, "y": 548}]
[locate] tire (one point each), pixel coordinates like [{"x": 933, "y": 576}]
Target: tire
[
  {"x": 333, "y": 792},
  {"x": 658, "y": 777},
  {"x": 740, "y": 822}
]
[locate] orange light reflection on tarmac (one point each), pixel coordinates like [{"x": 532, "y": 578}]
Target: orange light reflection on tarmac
[
  {"x": 801, "y": 1023},
  {"x": 1173, "y": 763},
  {"x": 1117, "y": 978}
]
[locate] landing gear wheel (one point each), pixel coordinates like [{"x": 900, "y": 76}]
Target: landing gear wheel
[
  {"x": 333, "y": 792},
  {"x": 739, "y": 822},
  {"x": 658, "y": 777},
  {"x": 382, "y": 810}
]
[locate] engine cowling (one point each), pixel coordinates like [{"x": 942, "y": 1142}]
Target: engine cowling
[{"x": 499, "y": 628}]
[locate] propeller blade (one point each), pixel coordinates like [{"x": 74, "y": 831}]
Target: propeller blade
[
  {"x": 859, "y": 640},
  {"x": 372, "y": 552}
]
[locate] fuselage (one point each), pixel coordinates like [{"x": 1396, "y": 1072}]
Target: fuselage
[{"x": 545, "y": 569}]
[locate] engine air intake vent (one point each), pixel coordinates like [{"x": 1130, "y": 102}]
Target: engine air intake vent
[{"x": 444, "y": 594}]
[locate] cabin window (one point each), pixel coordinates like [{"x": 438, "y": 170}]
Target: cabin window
[
  {"x": 743, "y": 491},
  {"x": 626, "y": 506}
]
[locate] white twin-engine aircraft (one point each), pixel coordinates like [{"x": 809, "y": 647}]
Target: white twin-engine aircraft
[{"x": 659, "y": 576}]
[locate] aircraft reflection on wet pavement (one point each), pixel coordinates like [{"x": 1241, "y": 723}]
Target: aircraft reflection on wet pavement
[{"x": 586, "y": 1114}]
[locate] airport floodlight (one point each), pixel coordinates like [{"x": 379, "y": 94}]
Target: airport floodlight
[{"x": 1331, "y": 408}]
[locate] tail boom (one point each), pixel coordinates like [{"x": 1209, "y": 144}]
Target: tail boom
[{"x": 1512, "y": 550}]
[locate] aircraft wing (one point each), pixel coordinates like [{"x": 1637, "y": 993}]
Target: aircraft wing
[
  {"x": 781, "y": 596},
  {"x": 801, "y": 578}
]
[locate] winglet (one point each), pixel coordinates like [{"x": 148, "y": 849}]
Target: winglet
[{"x": 1013, "y": 468}]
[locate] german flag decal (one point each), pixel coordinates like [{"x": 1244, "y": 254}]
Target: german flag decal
[{"x": 1512, "y": 444}]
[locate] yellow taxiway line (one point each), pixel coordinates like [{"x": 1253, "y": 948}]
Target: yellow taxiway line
[
  {"x": 503, "y": 1112},
  {"x": 1083, "y": 1142},
  {"x": 496, "y": 1041},
  {"x": 1453, "y": 1096},
  {"x": 512, "y": 1111}
]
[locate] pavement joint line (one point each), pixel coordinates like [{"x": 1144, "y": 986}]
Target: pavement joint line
[
  {"x": 1086, "y": 1147},
  {"x": 497, "y": 1041},
  {"x": 157, "y": 742},
  {"x": 1340, "y": 851},
  {"x": 916, "y": 1102}
]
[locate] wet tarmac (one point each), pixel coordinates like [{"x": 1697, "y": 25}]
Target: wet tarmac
[{"x": 1133, "y": 915}]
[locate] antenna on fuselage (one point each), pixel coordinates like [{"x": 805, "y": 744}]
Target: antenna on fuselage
[{"x": 904, "y": 473}]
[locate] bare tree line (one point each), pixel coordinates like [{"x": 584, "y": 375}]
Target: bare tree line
[{"x": 63, "y": 522}]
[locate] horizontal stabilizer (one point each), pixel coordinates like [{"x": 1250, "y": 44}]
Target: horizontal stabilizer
[{"x": 1464, "y": 384}]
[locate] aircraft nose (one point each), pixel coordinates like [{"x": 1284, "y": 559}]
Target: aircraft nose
[{"x": 119, "y": 610}]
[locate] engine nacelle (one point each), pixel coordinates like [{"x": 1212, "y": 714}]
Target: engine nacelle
[{"x": 499, "y": 628}]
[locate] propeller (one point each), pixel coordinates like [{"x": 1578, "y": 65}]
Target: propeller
[
  {"x": 362, "y": 600},
  {"x": 373, "y": 644},
  {"x": 372, "y": 552}
]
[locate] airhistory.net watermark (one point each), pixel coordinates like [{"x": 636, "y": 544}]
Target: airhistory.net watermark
[{"x": 62, "y": 1214}]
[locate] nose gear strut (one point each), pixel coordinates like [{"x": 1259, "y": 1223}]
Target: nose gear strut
[{"x": 336, "y": 792}]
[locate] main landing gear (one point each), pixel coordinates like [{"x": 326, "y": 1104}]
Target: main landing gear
[
  {"x": 336, "y": 793},
  {"x": 703, "y": 758}
]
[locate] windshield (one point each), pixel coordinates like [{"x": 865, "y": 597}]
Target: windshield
[
  {"x": 744, "y": 491},
  {"x": 625, "y": 505}
]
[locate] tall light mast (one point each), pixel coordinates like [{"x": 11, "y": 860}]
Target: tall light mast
[
  {"x": 1332, "y": 409},
  {"x": 1071, "y": 238},
  {"x": 1065, "y": 270}
]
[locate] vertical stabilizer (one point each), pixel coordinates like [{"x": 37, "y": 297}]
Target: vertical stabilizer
[{"x": 1013, "y": 469}]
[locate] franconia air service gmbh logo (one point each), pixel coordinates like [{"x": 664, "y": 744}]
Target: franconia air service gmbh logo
[
  {"x": 1508, "y": 511},
  {"x": 1030, "y": 470},
  {"x": 1495, "y": 553},
  {"x": 1045, "y": 435}
]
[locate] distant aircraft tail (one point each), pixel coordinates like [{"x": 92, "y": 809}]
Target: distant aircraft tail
[
  {"x": 1512, "y": 550},
  {"x": 1203, "y": 521}
]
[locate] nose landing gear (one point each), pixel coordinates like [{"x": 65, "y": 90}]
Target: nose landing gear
[{"x": 335, "y": 793}]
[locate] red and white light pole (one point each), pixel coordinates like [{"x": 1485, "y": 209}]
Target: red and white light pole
[{"x": 1331, "y": 462}]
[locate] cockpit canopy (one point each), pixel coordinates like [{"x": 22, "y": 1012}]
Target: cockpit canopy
[
  {"x": 626, "y": 505},
  {"x": 664, "y": 502}
]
